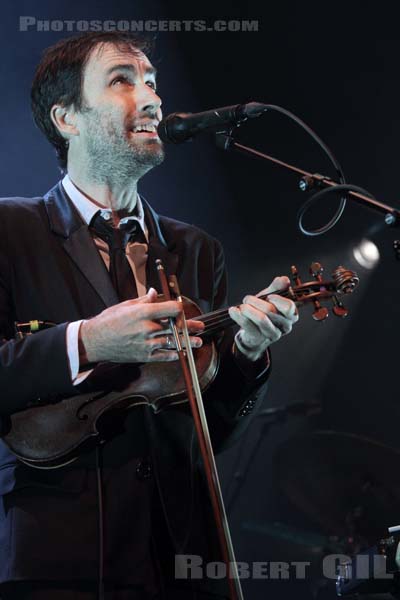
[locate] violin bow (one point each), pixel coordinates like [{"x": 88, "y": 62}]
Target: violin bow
[{"x": 191, "y": 379}]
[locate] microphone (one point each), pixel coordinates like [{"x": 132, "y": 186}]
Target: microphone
[{"x": 179, "y": 127}]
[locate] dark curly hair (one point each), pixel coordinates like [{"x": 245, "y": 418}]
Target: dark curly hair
[{"x": 58, "y": 77}]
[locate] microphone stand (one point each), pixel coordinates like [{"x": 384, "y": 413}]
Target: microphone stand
[{"x": 308, "y": 181}]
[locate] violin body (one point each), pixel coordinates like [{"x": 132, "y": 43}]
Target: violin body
[{"x": 52, "y": 435}]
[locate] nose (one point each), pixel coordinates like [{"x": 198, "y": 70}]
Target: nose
[{"x": 147, "y": 100}]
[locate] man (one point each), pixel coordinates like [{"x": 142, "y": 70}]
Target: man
[{"x": 117, "y": 516}]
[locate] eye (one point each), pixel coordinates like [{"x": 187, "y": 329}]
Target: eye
[
  {"x": 119, "y": 79},
  {"x": 152, "y": 84}
]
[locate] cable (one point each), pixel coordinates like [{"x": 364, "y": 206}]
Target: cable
[
  {"x": 318, "y": 195},
  {"x": 322, "y": 193},
  {"x": 100, "y": 522}
]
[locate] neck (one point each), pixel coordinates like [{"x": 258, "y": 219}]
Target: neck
[{"x": 120, "y": 197}]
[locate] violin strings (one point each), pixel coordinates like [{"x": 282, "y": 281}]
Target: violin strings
[
  {"x": 211, "y": 330},
  {"x": 217, "y": 326},
  {"x": 211, "y": 319},
  {"x": 218, "y": 322},
  {"x": 215, "y": 320},
  {"x": 215, "y": 313},
  {"x": 219, "y": 318}
]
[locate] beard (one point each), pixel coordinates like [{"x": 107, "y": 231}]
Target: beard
[{"x": 113, "y": 152}]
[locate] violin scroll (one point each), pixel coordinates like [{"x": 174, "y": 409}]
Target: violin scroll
[{"x": 344, "y": 281}]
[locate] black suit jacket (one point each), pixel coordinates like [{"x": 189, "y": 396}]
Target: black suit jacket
[{"x": 51, "y": 270}]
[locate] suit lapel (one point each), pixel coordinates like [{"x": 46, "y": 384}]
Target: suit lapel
[
  {"x": 66, "y": 222},
  {"x": 83, "y": 252},
  {"x": 158, "y": 249}
]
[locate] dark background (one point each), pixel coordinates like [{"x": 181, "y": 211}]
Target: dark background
[{"x": 336, "y": 66}]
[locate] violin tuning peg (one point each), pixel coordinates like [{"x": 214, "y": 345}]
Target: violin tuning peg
[
  {"x": 295, "y": 275},
  {"x": 316, "y": 270},
  {"x": 340, "y": 311},
  {"x": 320, "y": 313},
  {"x": 338, "y": 308}
]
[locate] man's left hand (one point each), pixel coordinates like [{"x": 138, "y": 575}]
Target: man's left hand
[{"x": 263, "y": 322}]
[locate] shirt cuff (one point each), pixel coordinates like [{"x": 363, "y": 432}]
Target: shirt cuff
[
  {"x": 252, "y": 370},
  {"x": 73, "y": 353}
]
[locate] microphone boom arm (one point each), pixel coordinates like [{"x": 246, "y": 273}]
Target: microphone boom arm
[{"x": 314, "y": 180}]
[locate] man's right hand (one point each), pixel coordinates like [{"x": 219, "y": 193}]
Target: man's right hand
[{"x": 132, "y": 332}]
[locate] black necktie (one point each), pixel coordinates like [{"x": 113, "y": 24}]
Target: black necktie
[{"x": 121, "y": 273}]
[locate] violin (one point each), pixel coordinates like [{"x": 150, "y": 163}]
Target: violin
[{"x": 53, "y": 433}]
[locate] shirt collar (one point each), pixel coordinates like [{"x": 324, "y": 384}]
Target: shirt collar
[{"x": 87, "y": 209}]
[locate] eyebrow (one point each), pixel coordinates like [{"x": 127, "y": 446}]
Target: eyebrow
[{"x": 128, "y": 67}]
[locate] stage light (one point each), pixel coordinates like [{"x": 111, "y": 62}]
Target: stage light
[{"x": 366, "y": 254}]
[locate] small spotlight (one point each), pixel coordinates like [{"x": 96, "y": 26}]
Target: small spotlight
[{"x": 366, "y": 254}]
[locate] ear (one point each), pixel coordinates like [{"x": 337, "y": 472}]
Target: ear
[{"x": 64, "y": 120}]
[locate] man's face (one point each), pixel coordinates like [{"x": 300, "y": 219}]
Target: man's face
[{"x": 120, "y": 112}]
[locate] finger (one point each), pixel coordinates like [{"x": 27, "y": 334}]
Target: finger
[
  {"x": 154, "y": 329},
  {"x": 161, "y": 310},
  {"x": 167, "y": 343},
  {"x": 150, "y": 296},
  {"x": 242, "y": 321},
  {"x": 262, "y": 305},
  {"x": 259, "y": 320},
  {"x": 284, "y": 306},
  {"x": 163, "y": 328},
  {"x": 256, "y": 332},
  {"x": 195, "y": 326},
  {"x": 163, "y": 356},
  {"x": 279, "y": 284},
  {"x": 282, "y": 323},
  {"x": 274, "y": 304},
  {"x": 195, "y": 342}
]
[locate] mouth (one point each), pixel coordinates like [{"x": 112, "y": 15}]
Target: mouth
[{"x": 145, "y": 129}]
